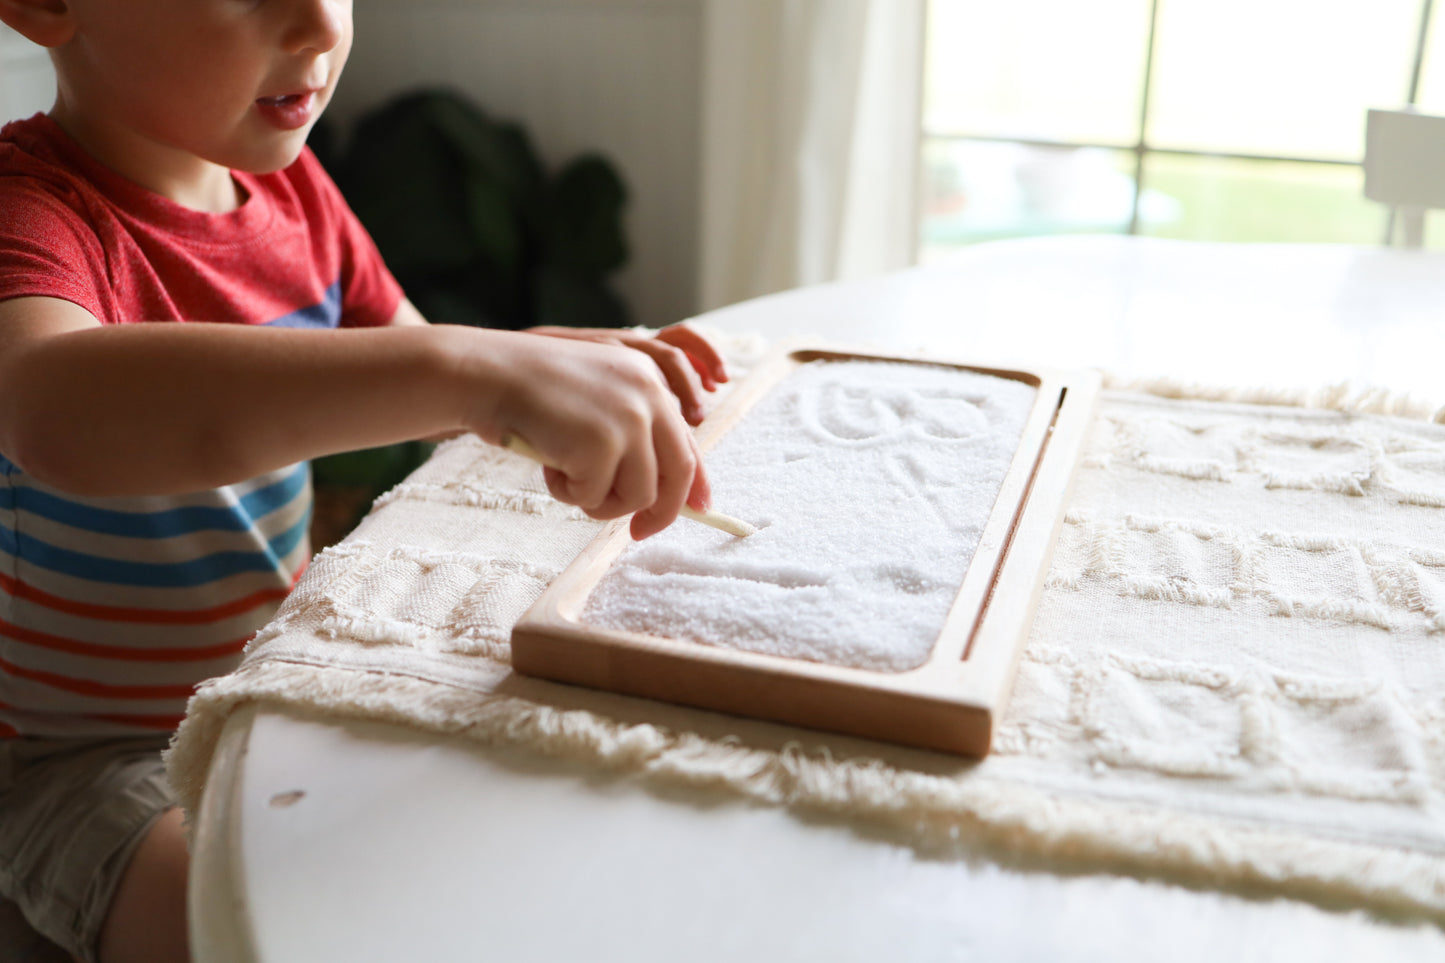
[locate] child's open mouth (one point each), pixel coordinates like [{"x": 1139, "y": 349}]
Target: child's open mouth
[{"x": 288, "y": 111}]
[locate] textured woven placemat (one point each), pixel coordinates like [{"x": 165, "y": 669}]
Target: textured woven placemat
[{"x": 1235, "y": 678}]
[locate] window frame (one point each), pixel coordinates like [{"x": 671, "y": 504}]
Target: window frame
[{"x": 1141, "y": 148}]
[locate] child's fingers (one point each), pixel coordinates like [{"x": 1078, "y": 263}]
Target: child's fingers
[
  {"x": 690, "y": 362},
  {"x": 585, "y": 476},
  {"x": 634, "y": 485},
  {"x": 695, "y": 368},
  {"x": 579, "y": 491},
  {"x": 700, "y": 496},
  {"x": 606, "y": 422},
  {"x": 702, "y": 353},
  {"x": 682, "y": 378},
  {"x": 678, "y": 467},
  {"x": 558, "y": 484}
]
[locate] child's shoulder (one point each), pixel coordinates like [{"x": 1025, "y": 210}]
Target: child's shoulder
[
  {"x": 29, "y": 135},
  {"x": 39, "y": 170},
  {"x": 37, "y": 147},
  {"x": 50, "y": 244}
]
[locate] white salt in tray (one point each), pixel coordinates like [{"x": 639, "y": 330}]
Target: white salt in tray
[{"x": 906, "y": 509}]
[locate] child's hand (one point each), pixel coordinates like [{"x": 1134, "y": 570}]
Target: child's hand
[
  {"x": 689, "y": 361},
  {"x": 601, "y": 418}
]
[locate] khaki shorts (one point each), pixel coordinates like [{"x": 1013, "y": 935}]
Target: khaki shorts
[{"x": 71, "y": 814}]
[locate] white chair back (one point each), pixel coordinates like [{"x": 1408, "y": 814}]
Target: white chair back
[{"x": 1405, "y": 167}]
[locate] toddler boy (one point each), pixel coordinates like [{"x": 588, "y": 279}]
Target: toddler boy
[{"x": 154, "y": 500}]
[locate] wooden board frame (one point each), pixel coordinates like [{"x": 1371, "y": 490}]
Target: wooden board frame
[{"x": 952, "y": 701}]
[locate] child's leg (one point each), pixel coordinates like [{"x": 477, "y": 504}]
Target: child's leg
[
  {"x": 73, "y": 816},
  {"x": 147, "y": 918}
]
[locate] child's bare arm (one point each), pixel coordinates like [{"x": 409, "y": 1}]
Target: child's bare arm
[
  {"x": 162, "y": 408},
  {"x": 691, "y": 364}
]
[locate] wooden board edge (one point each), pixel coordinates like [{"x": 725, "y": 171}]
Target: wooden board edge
[
  {"x": 986, "y": 676},
  {"x": 743, "y": 686},
  {"x": 928, "y": 707}
]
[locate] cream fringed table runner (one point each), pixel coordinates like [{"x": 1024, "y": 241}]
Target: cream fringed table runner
[{"x": 1236, "y": 676}]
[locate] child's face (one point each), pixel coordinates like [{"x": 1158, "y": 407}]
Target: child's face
[{"x": 235, "y": 83}]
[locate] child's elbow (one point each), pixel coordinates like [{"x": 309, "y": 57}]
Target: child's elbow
[{"x": 46, "y": 455}]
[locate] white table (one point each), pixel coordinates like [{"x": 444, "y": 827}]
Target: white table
[{"x": 412, "y": 848}]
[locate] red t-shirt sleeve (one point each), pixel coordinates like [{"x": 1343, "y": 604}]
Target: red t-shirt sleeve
[
  {"x": 58, "y": 241},
  {"x": 47, "y": 249}
]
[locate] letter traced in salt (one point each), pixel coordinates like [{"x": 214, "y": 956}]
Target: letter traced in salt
[{"x": 871, "y": 482}]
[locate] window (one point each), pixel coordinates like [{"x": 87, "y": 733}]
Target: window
[{"x": 1228, "y": 120}]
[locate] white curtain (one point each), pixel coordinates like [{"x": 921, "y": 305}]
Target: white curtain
[{"x": 810, "y": 142}]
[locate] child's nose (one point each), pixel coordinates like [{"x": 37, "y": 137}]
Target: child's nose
[{"x": 316, "y": 25}]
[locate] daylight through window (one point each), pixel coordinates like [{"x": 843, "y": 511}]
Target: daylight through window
[{"x": 1228, "y": 120}]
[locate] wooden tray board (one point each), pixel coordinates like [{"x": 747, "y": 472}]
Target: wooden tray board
[{"x": 951, "y": 702}]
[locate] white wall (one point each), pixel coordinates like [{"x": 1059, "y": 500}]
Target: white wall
[
  {"x": 27, "y": 83},
  {"x": 617, "y": 76}
]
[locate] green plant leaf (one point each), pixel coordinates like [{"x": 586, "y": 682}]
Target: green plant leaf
[
  {"x": 578, "y": 301},
  {"x": 582, "y": 230},
  {"x": 466, "y": 218},
  {"x": 401, "y": 178},
  {"x": 377, "y": 468}
]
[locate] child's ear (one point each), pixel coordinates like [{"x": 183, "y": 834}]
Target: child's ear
[{"x": 49, "y": 23}]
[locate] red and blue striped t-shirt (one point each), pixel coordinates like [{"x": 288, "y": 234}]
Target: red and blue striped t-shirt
[{"x": 113, "y": 609}]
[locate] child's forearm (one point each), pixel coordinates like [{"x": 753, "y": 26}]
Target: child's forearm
[
  {"x": 169, "y": 408},
  {"x": 165, "y": 408}
]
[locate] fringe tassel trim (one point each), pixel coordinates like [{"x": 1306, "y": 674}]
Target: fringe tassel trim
[{"x": 935, "y": 814}]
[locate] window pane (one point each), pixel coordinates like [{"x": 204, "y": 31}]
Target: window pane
[
  {"x": 1432, "y": 78},
  {"x": 1222, "y": 199},
  {"x": 1432, "y": 100},
  {"x": 979, "y": 191},
  {"x": 1289, "y": 78},
  {"x": 1036, "y": 69}
]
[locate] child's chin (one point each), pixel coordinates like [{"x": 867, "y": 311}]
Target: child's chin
[{"x": 274, "y": 161}]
